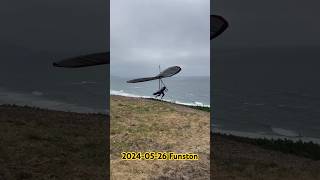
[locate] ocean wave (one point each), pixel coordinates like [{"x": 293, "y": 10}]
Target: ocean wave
[
  {"x": 85, "y": 82},
  {"x": 25, "y": 99},
  {"x": 262, "y": 135},
  {"x": 285, "y": 132},
  {"x": 123, "y": 93},
  {"x": 37, "y": 93}
]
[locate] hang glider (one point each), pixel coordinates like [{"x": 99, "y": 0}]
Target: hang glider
[
  {"x": 164, "y": 74},
  {"x": 217, "y": 26}
]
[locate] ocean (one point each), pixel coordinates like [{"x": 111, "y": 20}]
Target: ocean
[
  {"x": 263, "y": 92},
  {"x": 192, "y": 91},
  {"x": 267, "y": 92},
  {"x": 35, "y": 82},
  {"x": 85, "y": 89},
  {"x": 36, "y": 33}
]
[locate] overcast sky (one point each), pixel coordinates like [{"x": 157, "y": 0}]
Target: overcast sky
[
  {"x": 269, "y": 23},
  {"x": 75, "y": 26},
  {"x": 147, "y": 33}
]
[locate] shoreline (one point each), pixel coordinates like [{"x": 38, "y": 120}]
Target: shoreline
[
  {"x": 309, "y": 150},
  {"x": 269, "y": 136},
  {"x": 53, "y": 110},
  {"x": 124, "y": 94},
  {"x": 32, "y": 136},
  {"x": 255, "y": 135},
  {"x": 37, "y": 99},
  {"x": 240, "y": 134}
]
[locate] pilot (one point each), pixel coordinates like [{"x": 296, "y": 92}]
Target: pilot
[{"x": 161, "y": 92}]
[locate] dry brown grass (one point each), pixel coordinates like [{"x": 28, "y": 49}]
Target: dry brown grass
[
  {"x": 43, "y": 144},
  {"x": 147, "y": 125},
  {"x": 233, "y": 159}
]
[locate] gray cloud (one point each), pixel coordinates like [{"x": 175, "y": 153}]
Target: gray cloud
[
  {"x": 73, "y": 26},
  {"x": 147, "y": 33},
  {"x": 269, "y": 23}
]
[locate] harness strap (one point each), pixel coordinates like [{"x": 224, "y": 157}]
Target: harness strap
[{"x": 162, "y": 82}]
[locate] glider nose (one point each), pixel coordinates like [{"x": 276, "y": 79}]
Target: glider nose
[{"x": 55, "y": 64}]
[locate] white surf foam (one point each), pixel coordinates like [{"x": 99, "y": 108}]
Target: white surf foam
[
  {"x": 85, "y": 82},
  {"x": 37, "y": 93},
  {"x": 285, "y": 132},
  {"x": 122, "y": 93},
  {"x": 24, "y": 99},
  {"x": 256, "y": 135}
]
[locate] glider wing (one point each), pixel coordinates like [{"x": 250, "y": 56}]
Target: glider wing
[
  {"x": 166, "y": 73},
  {"x": 217, "y": 25},
  {"x": 142, "y": 79},
  {"x": 83, "y": 61},
  {"x": 169, "y": 72}
]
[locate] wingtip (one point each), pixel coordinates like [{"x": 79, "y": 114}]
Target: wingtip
[{"x": 55, "y": 64}]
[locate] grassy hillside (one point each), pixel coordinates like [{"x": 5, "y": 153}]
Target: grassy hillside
[
  {"x": 43, "y": 144},
  {"x": 242, "y": 158},
  {"x": 148, "y": 125}
]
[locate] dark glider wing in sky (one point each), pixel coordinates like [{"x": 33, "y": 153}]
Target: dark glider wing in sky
[
  {"x": 143, "y": 79},
  {"x": 166, "y": 73},
  {"x": 217, "y": 25},
  {"x": 83, "y": 61},
  {"x": 169, "y": 72}
]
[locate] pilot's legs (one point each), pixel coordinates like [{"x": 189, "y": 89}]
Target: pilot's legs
[
  {"x": 156, "y": 94},
  {"x": 162, "y": 94}
]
